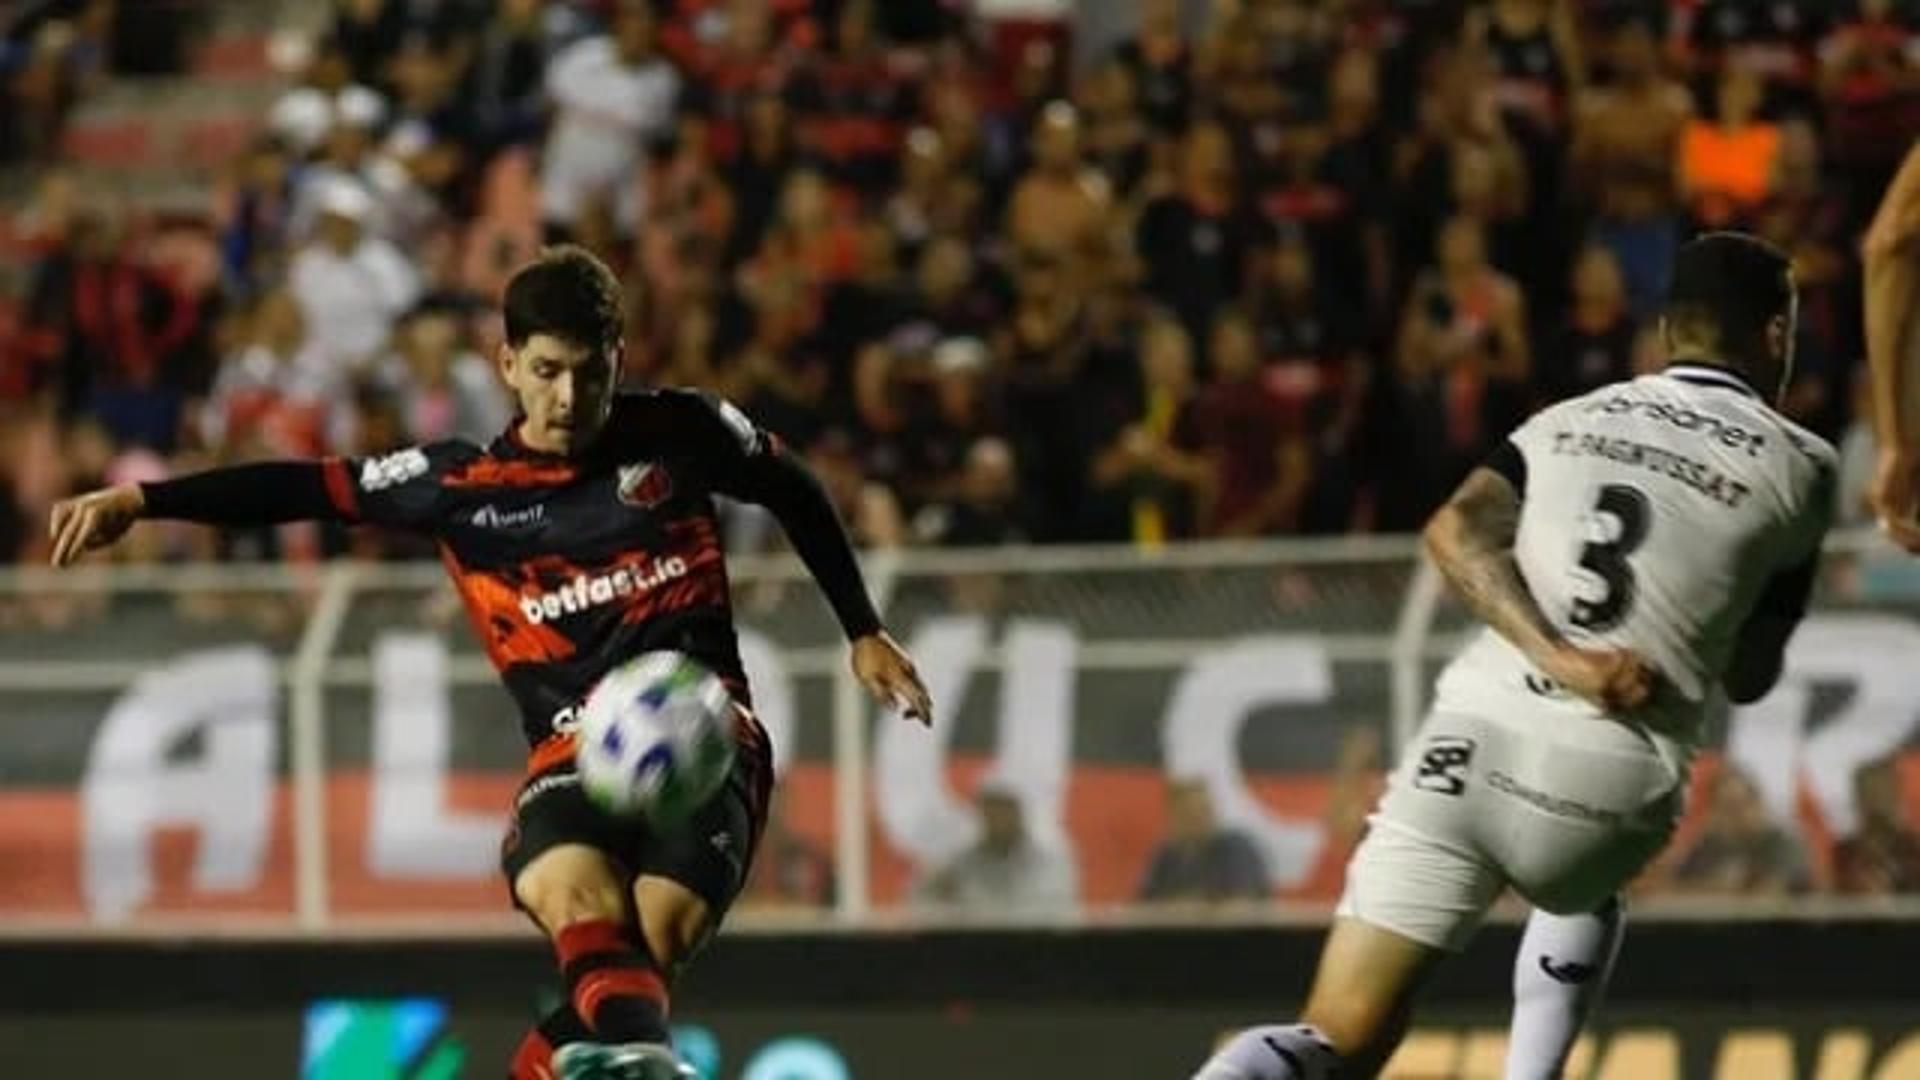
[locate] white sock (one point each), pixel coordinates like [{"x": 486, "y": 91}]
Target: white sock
[
  {"x": 1559, "y": 977},
  {"x": 1273, "y": 1052}
]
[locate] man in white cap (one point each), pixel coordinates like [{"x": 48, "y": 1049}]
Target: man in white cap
[
  {"x": 354, "y": 116},
  {"x": 351, "y": 285}
]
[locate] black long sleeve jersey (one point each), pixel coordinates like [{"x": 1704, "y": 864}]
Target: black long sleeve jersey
[{"x": 569, "y": 566}]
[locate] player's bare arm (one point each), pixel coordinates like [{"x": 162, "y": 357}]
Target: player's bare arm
[
  {"x": 1892, "y": 266},
  {"x": 1471, "y": 540}
]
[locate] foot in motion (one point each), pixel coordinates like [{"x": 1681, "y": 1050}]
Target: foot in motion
[{"x": 626, "y": 1061}]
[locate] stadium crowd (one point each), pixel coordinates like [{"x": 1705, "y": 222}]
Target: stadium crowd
[
  {"x": 1260, "y": 268},
  {"x": 1284, "y": 268}
]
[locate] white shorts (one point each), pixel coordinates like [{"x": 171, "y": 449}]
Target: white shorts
[{"x": 1565, "y": 816}]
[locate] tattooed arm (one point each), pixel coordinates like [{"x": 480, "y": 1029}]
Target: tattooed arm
[{"x": 1471, "y": 540}]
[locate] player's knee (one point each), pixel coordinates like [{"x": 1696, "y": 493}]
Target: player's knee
[
  {"x": 674, "y": 921},
  {"x": 558, "y": 900}
]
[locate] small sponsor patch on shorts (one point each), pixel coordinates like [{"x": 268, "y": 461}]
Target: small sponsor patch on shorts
[
  {"x": 1443, "y": 765},
  {"x": 1556, "y": 805}
]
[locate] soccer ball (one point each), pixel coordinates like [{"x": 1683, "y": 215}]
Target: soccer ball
[{"x": 656, "y": 738}]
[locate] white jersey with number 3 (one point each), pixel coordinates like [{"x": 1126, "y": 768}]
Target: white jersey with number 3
[{"x": 1655, "y": 512}]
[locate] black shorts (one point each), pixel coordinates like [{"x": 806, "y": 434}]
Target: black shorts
[{"x": 710, "y": 853}]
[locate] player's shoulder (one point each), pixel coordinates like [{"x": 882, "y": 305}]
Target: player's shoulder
[
  {"x": 1815, "y": 448},
  {"x": 391, "y": 467},
  {"x": 698, "y": 418}
]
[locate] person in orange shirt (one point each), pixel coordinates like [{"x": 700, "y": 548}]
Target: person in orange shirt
[{"x": 1729, "y": 164}]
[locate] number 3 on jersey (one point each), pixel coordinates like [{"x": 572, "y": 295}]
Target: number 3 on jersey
[{"x": 1607, "y": 558}]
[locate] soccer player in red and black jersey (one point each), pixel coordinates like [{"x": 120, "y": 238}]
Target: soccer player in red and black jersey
[{"x": 584, "y": 535}]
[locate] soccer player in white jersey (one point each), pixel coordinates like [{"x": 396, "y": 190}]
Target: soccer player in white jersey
[{"x": 1630, "y": 552}]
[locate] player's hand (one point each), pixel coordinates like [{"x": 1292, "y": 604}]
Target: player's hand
[
  {"x": 1895, "y": 495},
  {"x": 1617, "y": 680},
  {"x": 887, "y": 672},
  {"x": 93, "y": 520}
]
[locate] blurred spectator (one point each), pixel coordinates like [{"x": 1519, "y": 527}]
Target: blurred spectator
[
  {"x": 980, "y": 510},
  {"x": 1059, "y": 207},
  {"x": 110, "y": 332},
  {"x": 1200, "y": 860},
  {"x": 1464, "y": 357},
  {"x": 1870, "y": 84},
  {"x": 913, "y": 210},
  {"x": 445, "y": 389},
  {"x": 1151, "y": 474},
  {"x": 367, "y": 33},
  {"x": 1595, "y": 345},
  {"x": 1808, "y": 218},
  {"x": 1005, "y": 873},
  {"x": 1158, "y": 58},
  {"x": 1259, "y": 453},
  {"x": 253, "y": 213},
  {"x": 1882, "y": 856},
  {"x": 612, "y": 96},
  {"x": 1774, "y": 40},
  {"x": 278, "y": 395},
  {"x": 354, "y": 120},
  {"x": 1356, "y": 166},
  {"x": 789, "y": 869},
  {"x": 870, "y": 510},
  {"x": 1730, "y": 163},
  {"x": 51, "y": 54},
  {"x": 1741, "y": 850},
  {"x": 1536, "y": 49},
  {"x": 767, "y": 159},
  {"x": 953, "y": 412},
  {"x": 1116, "y": 139},
  {"x": 351, "y": 285},
  {"x": 1040, "y": 351},
  {"x": 1315, "y": 368},
  {"x": 733, "y": 51},
  {"x": 1196, "y": 240},
  {"x": 857, "y": 100},
  {"x": 1625, "y": 138},
  {"x": 505, "y": 81}
]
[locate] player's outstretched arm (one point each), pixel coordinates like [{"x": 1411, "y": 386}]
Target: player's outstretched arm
[
  {"x": 1891, "y": 254},
  {"x": 258, "y": 494},
  {"x": 1471, "y": 540},
  {"x": 750, "y": 464},
  {"x": 784, "y": 485}
]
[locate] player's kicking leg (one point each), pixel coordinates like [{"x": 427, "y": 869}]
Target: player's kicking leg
[
  {"x": 674, "y": 923},
  {"x": 615, "y": 978},
  {"x": 1559, "y": 976},
  {"x": 627, "y": 907}
]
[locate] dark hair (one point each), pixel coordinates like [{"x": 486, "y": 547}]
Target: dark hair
[
  {"x": 565, "y": 292},
  {"x": 1730, "y": 283}
]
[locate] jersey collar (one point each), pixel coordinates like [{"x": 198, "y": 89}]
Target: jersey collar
[
  {"x": 1702, "y": 373},
  {"x": 508, "y": 444}
]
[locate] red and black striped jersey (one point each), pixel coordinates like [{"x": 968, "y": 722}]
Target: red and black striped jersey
[{"x": 570, "y": 565}]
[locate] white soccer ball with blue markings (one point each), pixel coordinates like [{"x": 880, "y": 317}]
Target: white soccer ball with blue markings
[{"x": 656, "y": 738}]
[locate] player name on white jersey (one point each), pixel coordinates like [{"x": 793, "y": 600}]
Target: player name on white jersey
[{"x": 1654, "y": 514}]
